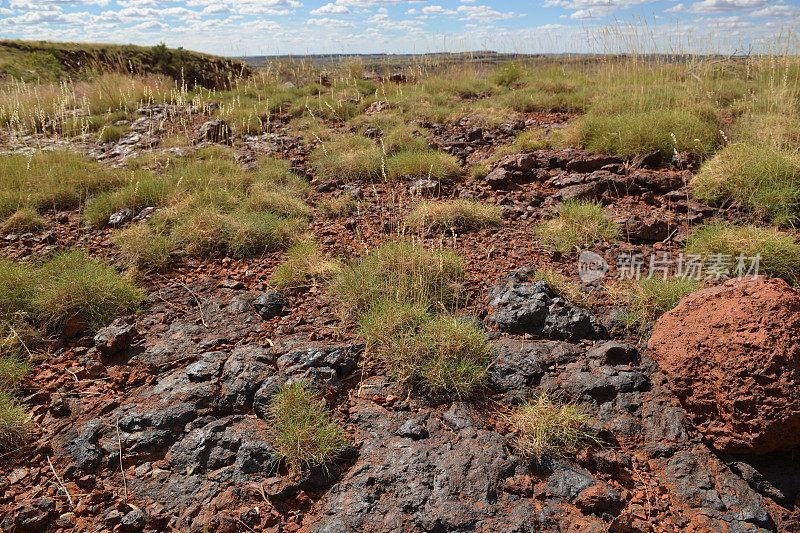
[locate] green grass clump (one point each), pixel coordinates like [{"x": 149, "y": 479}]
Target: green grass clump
[
  {"x": 55, "y": 180},
  {"x": 545, "y": 426},
  {"x": 264, "y": 197},
  {"x": 112, "y": 134},
  {"x": 507, "y": 75},
  {"x": 401, "y": 138},
  {"x": 340, "y": 206},
  {"x": 779, "y": 251},
  {"x": 447, "y": 214},
  {"x": 443, "y": 355},
  {"x": 348, "y": 158},
  {"x": 427, "y": 163},
  {"x": 627, "y": 133},
  {"x": 36, "y": 299},
  {"x": 15, "y": 422},
  {"x": 533, "y": 140},
  {"x": 400, "y": 296},
  {"x": 143, "y": 248},
  {"x": 304, "y": 433},
  {"x": 762, "y": 178},
  {"x": 24, "y": 220},
  {"x": 562, "y": 285},
  {"x": 304, "y": 264},
  {"x": 435, "y": 354},
  {"x": 67, "y": 284},
  {"x": 387, "y": 318},
  {"x": 402, "y": 271},
  {"x": 646, "y": 299},
  {"x": 71, "y": 284},
  {"x": 579, "y": 225}
]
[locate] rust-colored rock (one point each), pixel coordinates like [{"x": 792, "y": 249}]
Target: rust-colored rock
[{"x": 732, "y": 356}]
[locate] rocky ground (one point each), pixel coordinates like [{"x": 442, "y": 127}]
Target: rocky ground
[{"x": 155, "y": 423}]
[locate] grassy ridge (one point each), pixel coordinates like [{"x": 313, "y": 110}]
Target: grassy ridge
[{"x": 51, "y": 61}]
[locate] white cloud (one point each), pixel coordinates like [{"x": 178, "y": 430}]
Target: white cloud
[
  {"x": 721, "y": 6},
  {"x": 330, "y": 9},
  {"x": 437, "y": 10},
  {"x": 329, "y": 22},
  {"x": 483, "y": 13}
]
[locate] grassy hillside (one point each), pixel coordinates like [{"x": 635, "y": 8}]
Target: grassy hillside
[{"x": 50, "y": 61}]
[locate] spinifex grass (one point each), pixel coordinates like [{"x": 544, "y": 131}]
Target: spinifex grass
[
  {"x": 579, "y": 225},
  {"x": 778, "y": 252},
  {"x": 304, "y": 433},
  {"x": 646, "y": 299},
  {"x": 401, "y": 296},
  {"x": 762, "y": 178},
  {"x": 447, "y": 214},
  {"x": 545, "y": 426},
  {"x": 304, "y": 264}
]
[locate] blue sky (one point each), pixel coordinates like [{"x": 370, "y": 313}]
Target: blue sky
[{"x": 259, "y": 27}]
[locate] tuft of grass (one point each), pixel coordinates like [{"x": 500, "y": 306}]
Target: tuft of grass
[
  {"x": 24, "y": 220},
  {"x": 443, "y": 356},
  {"x": 779, "y": 251},
  {"x": 507, "y": 75},
  {"x": 763, "y": 179},
  {"x": 15, "y": 422},
  {"x": 140, "y": 246},
  {"x": 427, "y": 163},
  {"x": 627, "y": 133},
  {"x": 401, "y": 138},
  {"x": 646, "y": 299},
  {"x": 579, "y": 225},
  {"x": 563, "y": 286},
  {"x": 248, "y": 233},
  {"x": 67, "y": 284},
  {"x": 304, "y": 433},
  {"x": 71, "y": 284},
  {"x": 387, "y": 318},
  {"x": 348, "y": 158},
  {"x": 56, "y": 180},
  {"x": 447, "y": 214},
  {"x": 112, "y": 134},
  {"x": 340, "y": 206},
  {"x": 304, "y": 263},
  {"x": 432, "y": 353},
  {"x": 400, "y": 296},
  {"x": 545, "y": 426},
  {"x": 533, "y": 140},
  {"x": 264, "y": 197},
  {"x": 402, "y": 271}
]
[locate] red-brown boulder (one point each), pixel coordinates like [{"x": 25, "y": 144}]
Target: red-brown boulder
[{"x": 732, "y": 356}]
